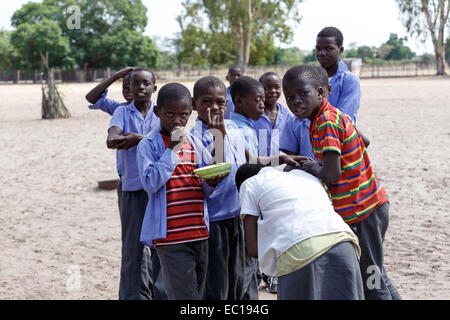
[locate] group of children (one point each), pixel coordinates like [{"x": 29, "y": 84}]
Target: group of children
[{"x": 183, "y": 237}]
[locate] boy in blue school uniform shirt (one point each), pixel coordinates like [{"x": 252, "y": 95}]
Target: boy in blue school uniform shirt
[
  {"x": 129, "y": 124},
  {"x": 234, "y": 72},
  {"x": 275, "y": 116},
  {"x": 165, "y": 161},
  {"x": 226, "y": 239}
]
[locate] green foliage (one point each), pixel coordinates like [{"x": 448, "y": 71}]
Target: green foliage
[
  {"x": 235, "y": 31},
  {"x": 110, "y": 31},
  {"x": 37, "y": 40},
  {"x": 398, "y": 50},
  {"x": 288, "y": 56}
]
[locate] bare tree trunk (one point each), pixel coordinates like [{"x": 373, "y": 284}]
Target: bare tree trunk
[
  {"x": 437, "y": 23},
  {"x": 52, "y": 104}
]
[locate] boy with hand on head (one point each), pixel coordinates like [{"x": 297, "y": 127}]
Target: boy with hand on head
[
  {"x": 234, "y": 72},
  {"x": 346, "y": 93},
  {"x": 274, "y": 118},
  {"x": 176, "y": 217},
  {"x": 226, "y": 238},
  {"x": 291, "y": 227},
  {"x": 344, "y": 165},
  {"x": 129, "y": 124}
]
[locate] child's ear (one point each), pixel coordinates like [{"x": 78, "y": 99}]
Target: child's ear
[
  {"x": 320, "y": 91},
  {"x": 341, "y": 50},
  {"x": 194, "y": 106},
  {"x": 156, "y": 111},
  {"x": 155, "y": 88}
]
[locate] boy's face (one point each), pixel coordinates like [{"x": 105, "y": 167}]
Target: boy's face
[
  {"x": 233, "y": 74},
  {"x": 252, "y": 104},
  {"x": 126, "y": 92},
  {"x": 327, "y": 51},
  {"x": 214, "y": 99},
  {"x": 142, "y": 86},
  {"x": 303, "y": 98},
  {"x": 272, "y": 89},
  {"x": 173, "y": 114}
]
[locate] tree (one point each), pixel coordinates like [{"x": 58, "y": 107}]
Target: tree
[
  {"x": 288, "y": 56},
  {"x": 104, "y": 25},
  {"x": 235, "y": 25},
  {"x": 398, "y": 50},
  {"x": 423, "y": 17},
  {"x": 44, "y": 47}
]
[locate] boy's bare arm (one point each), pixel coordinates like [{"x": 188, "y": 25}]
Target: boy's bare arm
[
  {"x": 117, "y": 140},
  {"x": 251, "y": 235},
  {"x": 364, "y": 138},
  {"x": 95, "y": 94},
  {"x": 329, "y": 172}
]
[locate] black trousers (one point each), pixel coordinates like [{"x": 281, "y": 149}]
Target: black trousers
[{"x": 370, "y": 233}]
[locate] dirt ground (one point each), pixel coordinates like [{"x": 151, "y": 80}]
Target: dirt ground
[{"x": 60, "y": 234}]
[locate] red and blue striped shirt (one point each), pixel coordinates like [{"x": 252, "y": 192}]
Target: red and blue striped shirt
[
  {"x": 358, "y": 192},
  {"x": 185, "y": 221}
]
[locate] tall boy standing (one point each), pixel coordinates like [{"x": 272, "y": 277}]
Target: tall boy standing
[
  {"x": 356, "y": 193},
  {"x": 128, "y": 126}
]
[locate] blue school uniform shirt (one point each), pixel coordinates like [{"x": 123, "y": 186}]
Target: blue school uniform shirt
[
  {"x": 224, "y": 202},
  {"x": 295, "y": 137},
  {"x": 230, "y": 105},
  {"x": 248, "y": 131},
  {"x": 268, "y": 137},
  {"x": 345, "y": 91},
  {"x": 129, "y": 119},
  {"x": 109, "y": 106},
  {"x": 155, "y": 166}
]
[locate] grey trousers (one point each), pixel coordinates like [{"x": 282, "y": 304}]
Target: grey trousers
[
  {"x": 335, "y": 275},
  {"x": 225, "y": 278},
  {"x": 184, "y": 267},
  {"x": 370, "y": 233},
  {"x": 140, "y": 276}
]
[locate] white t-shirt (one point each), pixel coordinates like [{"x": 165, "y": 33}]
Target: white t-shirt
[{"x": 291, "y": 207}]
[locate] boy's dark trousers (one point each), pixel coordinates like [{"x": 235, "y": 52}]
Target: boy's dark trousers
[
  {"x": 184, "y": 267},
  {"x": 140, "y": 276},
  {"x": 225, "y": 278},
  {"x": 370, "y": 233}
]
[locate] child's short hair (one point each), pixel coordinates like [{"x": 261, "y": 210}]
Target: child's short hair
[
  {"x": 205, "y": 83},
  {"x": 242, "y": 85},
  {"x": 173, "y": 92},
  {"x": 329, "y": 32},
  {"x": 232, "y": 67},
  {"x": 304, "y": 72},
  {"x": 323, "y": 76},
  {"x": 139, "y": 69},
  {"x": 267, "y": 74},
  {"x": 247, "y": 171}
]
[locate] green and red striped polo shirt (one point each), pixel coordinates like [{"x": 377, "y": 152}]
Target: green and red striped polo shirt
[
  {"x": 358, "y": 191},
  {"x": 185, "y": 207}
]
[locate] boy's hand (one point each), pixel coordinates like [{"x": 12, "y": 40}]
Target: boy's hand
[
  {"x": 293, "y": 160},
  {"x": 176, "y": 138},
  {"x": 127, "y": 141},
  {"x": 213, "y": 182},
  {"x": 216, "y": 121},
  {"x": 122, "y": 73},
  {"x": 311, "y": 167}
]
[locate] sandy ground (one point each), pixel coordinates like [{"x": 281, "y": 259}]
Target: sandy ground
[{"x": 60, "y": 234}]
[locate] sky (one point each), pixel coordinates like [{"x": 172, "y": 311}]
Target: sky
[{"x": 363, "y": 22}]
